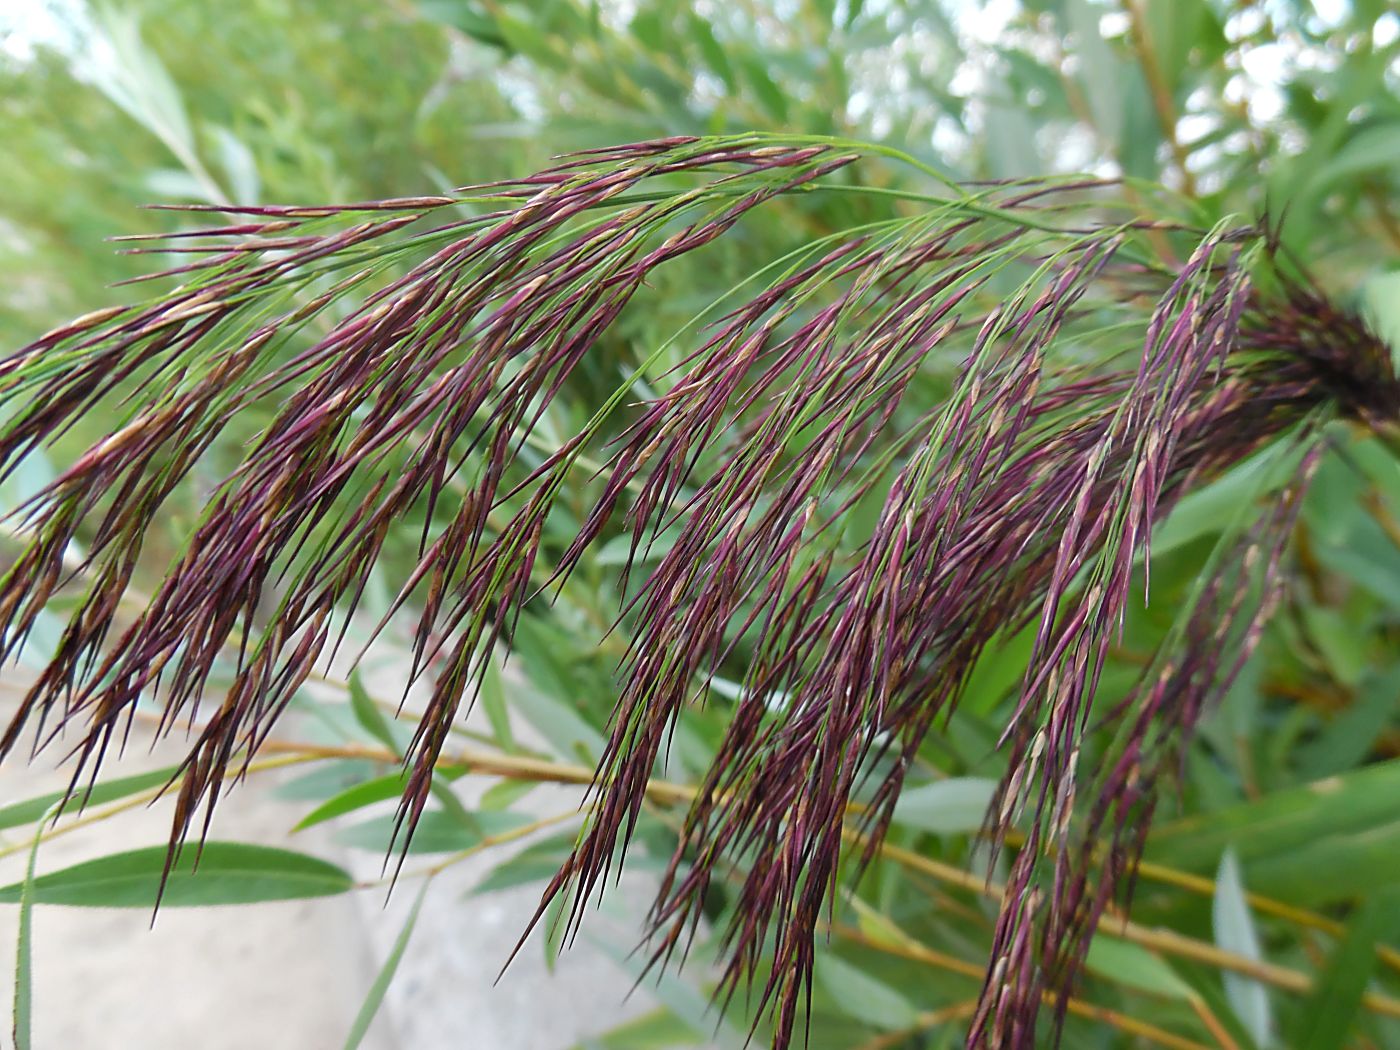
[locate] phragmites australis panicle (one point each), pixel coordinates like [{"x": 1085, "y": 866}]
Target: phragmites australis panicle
[{"x": 1094, "y": 366}]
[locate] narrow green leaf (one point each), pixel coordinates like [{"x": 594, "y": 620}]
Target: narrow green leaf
[
  {"x": 24, "y": 948},
  {"x": 380, "y": 789},
  {"x": 858, "y": 995},
  {"x": 617, "y": 549},
  {"x": 946, "y": 807},
  {"x": 477, "y": 25},
  {"x": 42, "y": 641},
  {"x": 556, "y": 926},
  {"x": 1100, "y": 75},
  {"x": 521, "y": 36},
  {"x": 1132, "y": 965},
  {"x": 1283, "y": 822},
  {"x": 1213, "y": 508},
  {"x": 1000, "y": 668},
  {"x": 133, "y": 76},
  {"x": 1375, "y": 147},
  {"x": 535, "y": 863},
  {"x": 506, "y": 793},
  {"x": 1331, "y": 868},
  {"x": 375, "y": 996},
  {"x": 33, "y": 809},
  {"x": 239, "y": 165},
  {"x": 649, "y": 30},
  {"x": 1235, "y": 932},
  {"x": 1381, "y": 297},
  {"x": 1176, "y": 28},
  {"x": 1378, "y": 576},
  {"x": 1010, "y": 143},
  {"x": 25, "y": 479},
  {"x": 1140, "y": 148},
  {"x": 659, "y": 1029},
  {"x": 438, "y": 831},
  {"x": 568, "y": 733},
  {"x": 452, "y": 805},
  {"x": 1327, "y": 1016},
  {"x": 1349, "y": 737},
  {"x": 327, "y": 779},
  {"x": 770, "y": 96},
  {"x": 679, "y": 996},
  {"x": 228, "y": 873},
  {"x": 1342, "y": 647},
  {"x": 368, "y": 715},
  {"x": 353, "y": 798},
  {"x": 493, "y": 702},
  {"x": 712, "y": 52}
]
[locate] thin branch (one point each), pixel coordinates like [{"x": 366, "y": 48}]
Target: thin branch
[
  {"x": 1165, "y": 941},
  {"x": 111, "y": 809},
  {"x": 520, "y": 767},
  {"x": 918, "y": 952},
  {"x": 1212, "y": 1023},
  {"x": 923, "y": 1023}
]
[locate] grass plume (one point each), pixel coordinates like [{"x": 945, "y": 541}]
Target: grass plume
[{"x": 1085, "y": 383}]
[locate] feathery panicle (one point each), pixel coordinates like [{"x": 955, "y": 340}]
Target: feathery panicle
[{"x": 1089, "y": 383}]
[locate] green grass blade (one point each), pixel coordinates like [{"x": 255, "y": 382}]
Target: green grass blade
[
  {"x": 228, "y": 873},
  {"x": 36, "y": 808},
  {"x": 1328, "y": 1015},
  {"x": 375, "y": 997},
  {"x": 1283, "y": 821},
  {"x": 368, "y": 715},
  {"x": 357, "y": 796},
  {"x": 1235, "y": 932},
  {"x": 24, "y": 948}
]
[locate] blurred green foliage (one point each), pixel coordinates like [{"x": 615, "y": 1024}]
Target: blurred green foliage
[{"x": 1283, "y": 107}]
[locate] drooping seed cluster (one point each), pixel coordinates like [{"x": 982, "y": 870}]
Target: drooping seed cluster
[{"x": 1023, "y": 496}]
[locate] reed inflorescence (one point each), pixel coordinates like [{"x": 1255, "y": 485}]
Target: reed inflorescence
[{"x": 850, "y": 541}]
